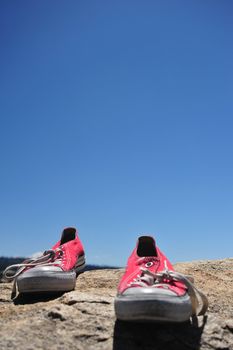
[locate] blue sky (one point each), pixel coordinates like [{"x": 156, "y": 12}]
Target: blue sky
[{"x": 116, "y": 118}]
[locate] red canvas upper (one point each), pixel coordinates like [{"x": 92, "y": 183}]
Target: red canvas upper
[
  {"x": 69, "y": 251},
  {"x": 154, "y": 264}
]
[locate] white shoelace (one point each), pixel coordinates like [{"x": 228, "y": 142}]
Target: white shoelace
[
  {"x": 198, "y": 299},
  {"x": 50, "y": 257}
]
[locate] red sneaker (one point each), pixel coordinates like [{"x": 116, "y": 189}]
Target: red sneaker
[
  {"x": 150, "y": 289},
  {"x": 55, "y": 271}
]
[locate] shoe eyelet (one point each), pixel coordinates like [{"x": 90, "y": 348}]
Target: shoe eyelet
[{"x": 149, "y": 264}]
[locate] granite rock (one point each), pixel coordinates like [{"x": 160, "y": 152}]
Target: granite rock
[{"x": 84, "y": 318}]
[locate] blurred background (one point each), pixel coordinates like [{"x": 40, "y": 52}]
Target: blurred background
[{"x": 116, "y": 118}]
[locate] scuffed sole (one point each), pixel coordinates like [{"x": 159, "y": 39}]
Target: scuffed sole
[
  {"x": 48, "y": 281},
  {"x": 147, "y": 308}
]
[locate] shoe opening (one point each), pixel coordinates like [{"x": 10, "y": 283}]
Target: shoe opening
[
  {"x": 146, "y": 246},
  {"x": 68, "y": 234}
]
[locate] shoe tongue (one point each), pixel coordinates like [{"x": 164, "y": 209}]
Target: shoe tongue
[
  {"x": 149, "y": 259},
  {"x": 68, "y": 234},
  {"x": 146, "y": 247}
]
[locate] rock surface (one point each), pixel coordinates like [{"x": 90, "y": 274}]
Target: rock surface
[{"x": 84, "y": 319}]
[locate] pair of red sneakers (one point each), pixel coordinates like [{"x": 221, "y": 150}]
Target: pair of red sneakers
[{"x": 150, "y": 289}]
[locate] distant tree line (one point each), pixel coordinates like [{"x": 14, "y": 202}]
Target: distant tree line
[{"x": 5, "y": 261}]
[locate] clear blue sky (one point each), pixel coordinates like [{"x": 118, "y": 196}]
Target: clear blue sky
[{"x": 117, "y": 118}]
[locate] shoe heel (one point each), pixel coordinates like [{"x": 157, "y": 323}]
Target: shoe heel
[{"x": 80, "y": 265}]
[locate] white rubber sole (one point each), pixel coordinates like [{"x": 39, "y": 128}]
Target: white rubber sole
[
  {"x": 36, "y": 281},
  {"x": 153, "y": 308}
]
